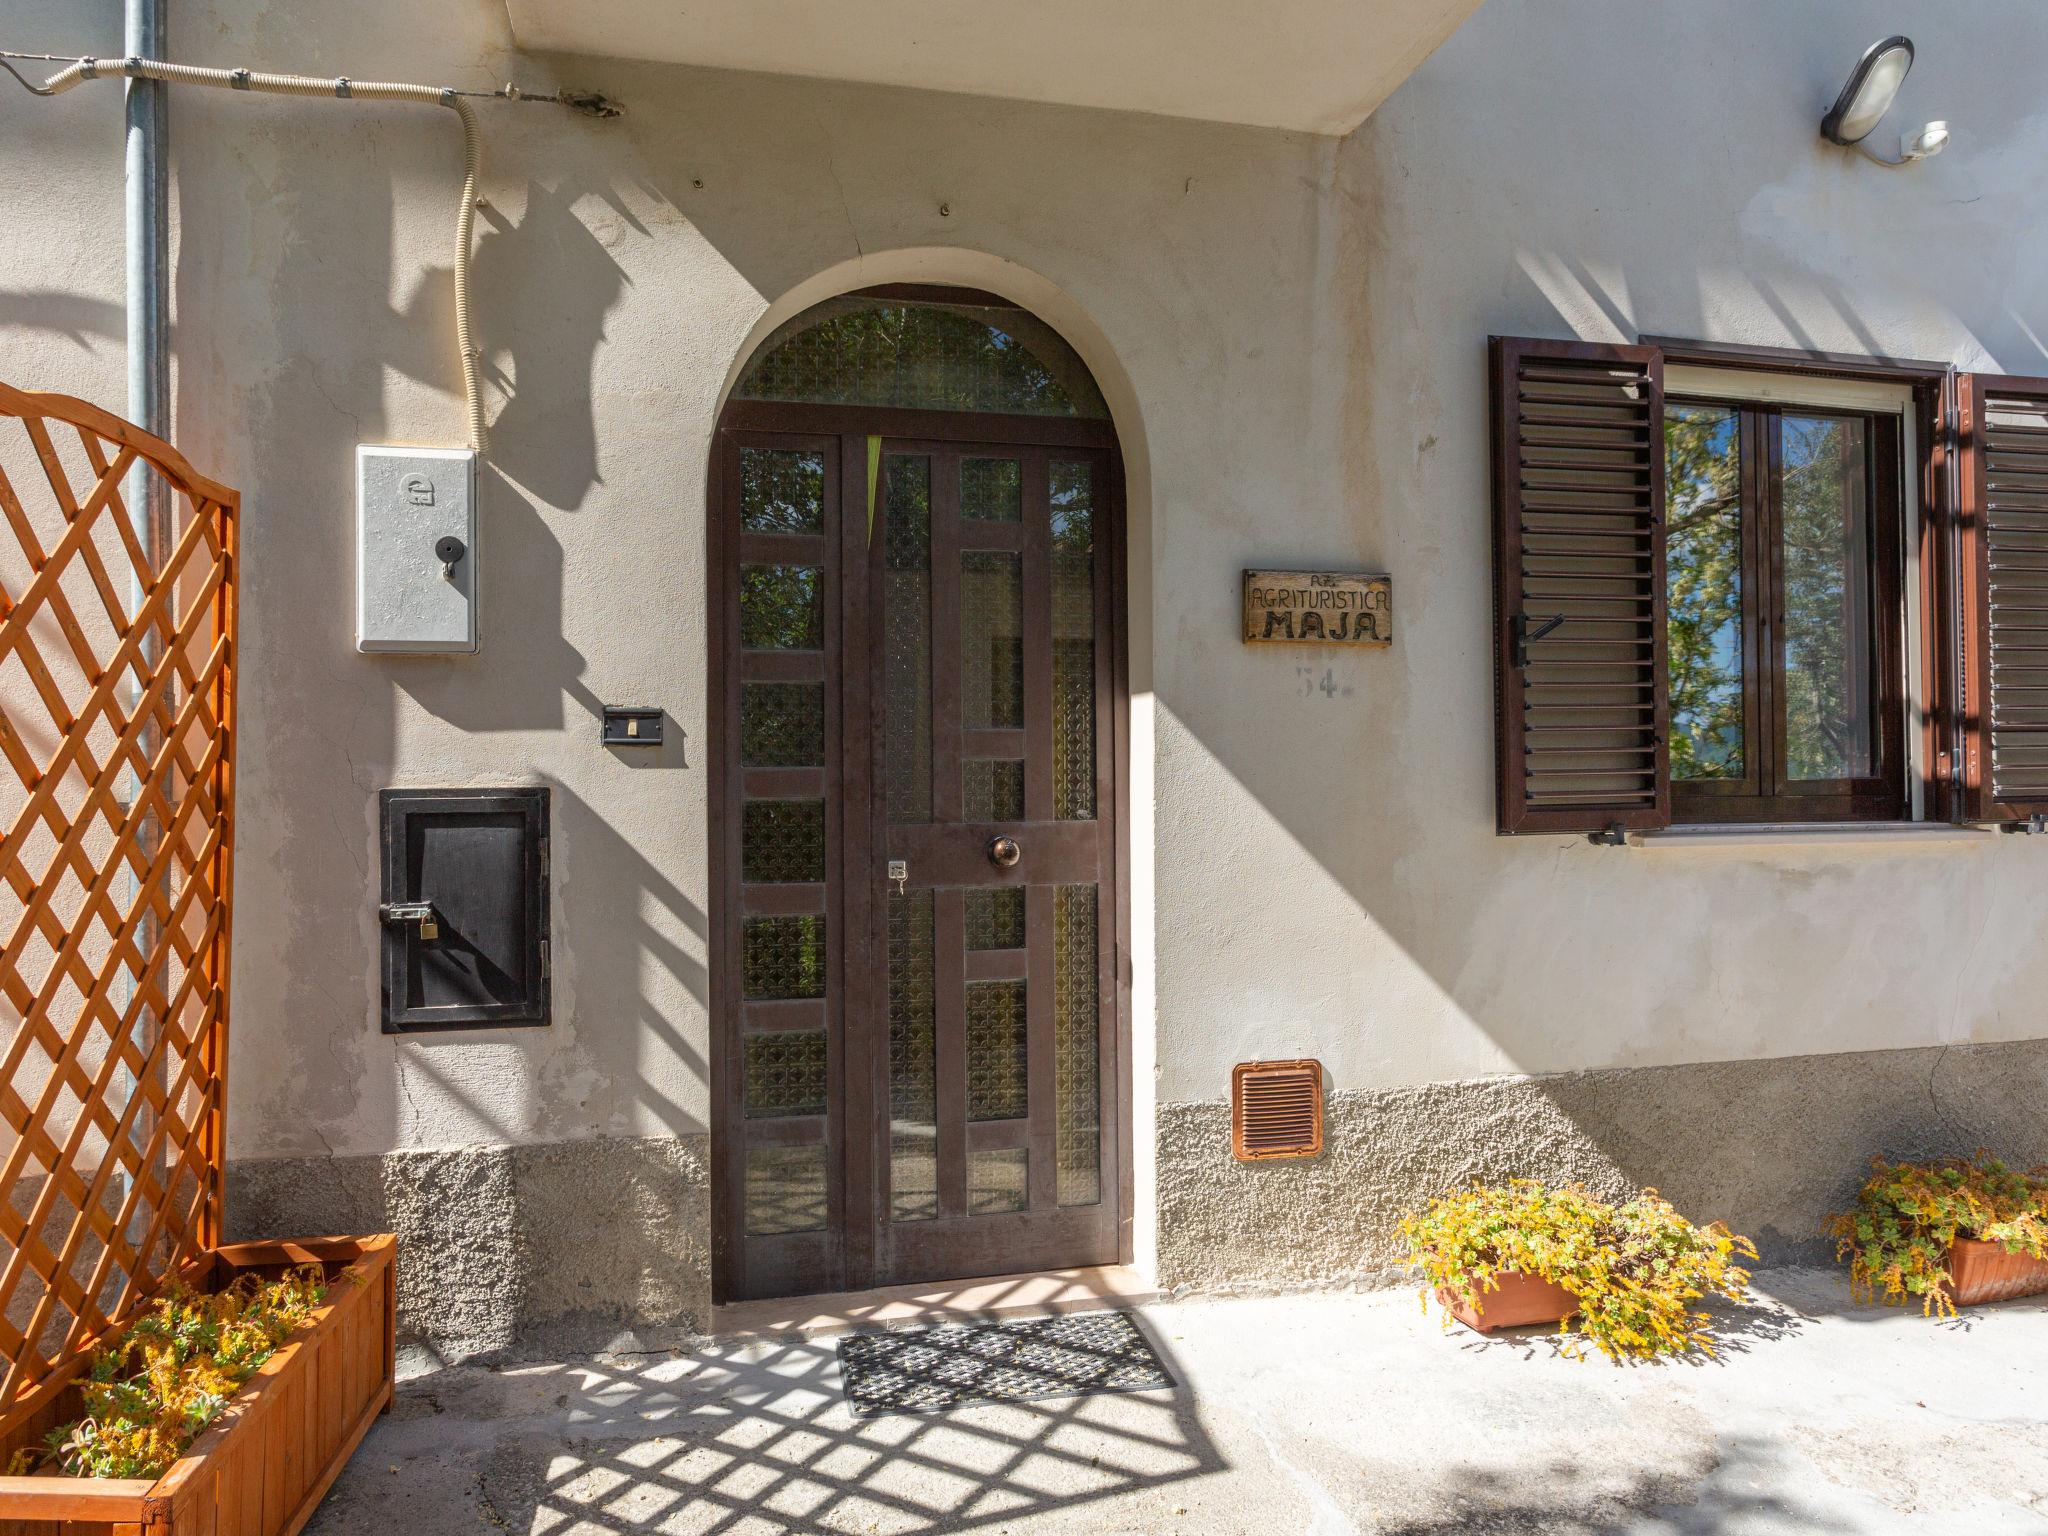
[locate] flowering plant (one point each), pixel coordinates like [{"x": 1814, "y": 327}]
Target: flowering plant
[
  {"x": 1635, "y": 1268},
  {"x": 149, "y": 1394},
  {"x": 1907, "y": 1214}
]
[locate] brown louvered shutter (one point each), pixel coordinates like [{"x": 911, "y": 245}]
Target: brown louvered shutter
[
  {"x": 2003, "y": 528},
  {"x": 1578, "y": 547}
]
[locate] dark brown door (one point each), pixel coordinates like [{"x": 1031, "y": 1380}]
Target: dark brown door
[{"x": 916, "y": 851}]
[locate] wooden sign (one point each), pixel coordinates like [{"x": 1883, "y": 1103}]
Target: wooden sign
[{"x": 1318, "y": 608}]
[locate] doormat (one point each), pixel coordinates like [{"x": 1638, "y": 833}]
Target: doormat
[{"x": 928, "y": 1370}]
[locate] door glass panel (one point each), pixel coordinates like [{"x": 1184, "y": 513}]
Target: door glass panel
[
  {"x": 782, "y": 725},
  {"x": 913, "y": 1068},
  {"x": 992, "y": 636},
  {"x": 995, "y": 918},
  {"x": 786, "y": 1073},
  {"x": 993, "y": 789},
  {"x": 1830, "y": 636},
  {"x": 907, "y": 636},
  {"x": 1073, "y": 641},
  {"x": 920, "y": 354},
  {"x": 785, "y": 1189},
  {"x": 992, "y": 490},
  {"x": 781, "y": 491},
  {"x": 783, "y": 957},
  {"x": 782, "y": 608},
  {"x": 1703, "y": 582},
  {"x": 782, "y": 842},
  {"x": 1077, "y": 1020},
  {"x": 997, "y": 1181},
  {"x": 997, "y": 1064}
]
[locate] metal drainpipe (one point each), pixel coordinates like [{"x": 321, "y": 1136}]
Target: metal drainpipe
[
  {"x": 149, "y": 407},
  {"x": 149, "y": 369}
]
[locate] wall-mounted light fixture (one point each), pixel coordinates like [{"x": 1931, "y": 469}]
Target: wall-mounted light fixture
[{"x": 1872, "y": 88}]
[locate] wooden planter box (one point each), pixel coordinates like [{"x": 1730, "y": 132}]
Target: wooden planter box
[
  {"x": 1979, "y": 1272},
  {"x": 262, "y": 1466},
  {"x": 1521, "y": 1300}
]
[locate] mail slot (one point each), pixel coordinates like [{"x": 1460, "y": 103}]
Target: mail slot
[{"x": 464, "y": 908}]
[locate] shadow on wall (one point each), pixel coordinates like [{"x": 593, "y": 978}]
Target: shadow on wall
[
  {"x": 1376, "y": 816},
  {"x": 546, "y": 285}
]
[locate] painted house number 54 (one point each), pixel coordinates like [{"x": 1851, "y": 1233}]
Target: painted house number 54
[{"x": 1327, "y": 685}]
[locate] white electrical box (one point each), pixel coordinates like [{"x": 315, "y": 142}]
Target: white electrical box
[{"x": 416, "y": 563}]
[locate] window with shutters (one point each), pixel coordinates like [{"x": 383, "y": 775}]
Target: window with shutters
[{"x": 1733, "y": 585}]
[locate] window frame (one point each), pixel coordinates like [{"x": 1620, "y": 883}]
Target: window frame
[
  {"x": 1765, "y": 793},
  {"x": 1933, "y": 472}
]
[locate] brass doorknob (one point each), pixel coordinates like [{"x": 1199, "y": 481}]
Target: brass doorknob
[{"x": 1003, "y": 852}]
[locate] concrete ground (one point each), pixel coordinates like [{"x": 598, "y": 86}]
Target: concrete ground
[{"x": 1314, "y": 1414}]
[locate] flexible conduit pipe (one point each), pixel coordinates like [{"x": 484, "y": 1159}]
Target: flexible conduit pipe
[{"x": 346, "y": 90}]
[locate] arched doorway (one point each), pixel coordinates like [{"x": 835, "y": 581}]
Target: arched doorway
[{"x": 919, "y": 755}]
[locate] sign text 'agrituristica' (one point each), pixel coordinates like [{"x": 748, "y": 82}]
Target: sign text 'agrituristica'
[{"x": 1318, "y": 608}]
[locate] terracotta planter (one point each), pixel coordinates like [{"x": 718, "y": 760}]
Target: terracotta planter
[
  {"x": 261, "y": 1467},
  {"x": 1520, "y": 1301},
  {"x": 1979, "y": 1272}
]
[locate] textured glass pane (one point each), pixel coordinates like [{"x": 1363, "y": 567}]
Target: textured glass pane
[
  {"x": 913, "y": 1072},
  {"x": 992, "y": 640},
  {"x": 785, "y": 1189},
  {"x": 782, "y": 725},
  {"x": 997, "y": 1059},
  {"x": 923, "y": 356},
  {"x": 1073, "y": 641},
  {"x": 1077, "y": 1017},
  {"x": 907, "y": 637},
  {"x": 783, "y": 956},
  {"x": 993, "y": 789},
  {"x": 781, "y": 491},
  {"x": 995, "y": 918},
  {"x": 782, "y": 608},
  {"x": 782, "y": 841},
  {"x": 1830, "y": 634},
  {"x": 992, "y": 490},
  {"x": 1703, "y": 580},
  {"x": 786, "y": 1074},
  {"x": 997, "y": 1180}
]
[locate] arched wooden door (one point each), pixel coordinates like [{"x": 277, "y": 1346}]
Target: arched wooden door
[{"x": 917, "y": 844}]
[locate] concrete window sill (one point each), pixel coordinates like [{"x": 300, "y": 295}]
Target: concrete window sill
[{"x": 1772, "y": 834}]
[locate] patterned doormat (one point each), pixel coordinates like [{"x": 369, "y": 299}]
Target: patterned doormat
[{"x": 928, "y": 1370}]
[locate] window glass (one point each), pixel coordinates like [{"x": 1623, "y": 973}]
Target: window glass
[
  {"x": 1782, "y": 609},
  {"x": 1830, "y": 697},
  {"x": 1703, "y": 581},
  {"x": 922, "y": 354}
]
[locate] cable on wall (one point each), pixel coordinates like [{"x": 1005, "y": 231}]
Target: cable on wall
[{"x": 80, "y": 70}]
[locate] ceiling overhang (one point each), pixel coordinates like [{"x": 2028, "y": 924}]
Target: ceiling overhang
[{"x": 1315, "y": 66}]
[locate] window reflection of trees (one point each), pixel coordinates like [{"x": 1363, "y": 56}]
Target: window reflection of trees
[
  {"x": 1825, "y": 678},
  {"x": 1824, "y": 521},
  {"x": 1703, "y": 584}
]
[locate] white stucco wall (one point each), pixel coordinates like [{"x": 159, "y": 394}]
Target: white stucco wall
[
  {"x": 1292, "y": 330},
  {"x": 1600, "y": 171}
]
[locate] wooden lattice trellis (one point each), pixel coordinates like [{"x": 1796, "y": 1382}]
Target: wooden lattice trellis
[{"x": 116, "y": 697}]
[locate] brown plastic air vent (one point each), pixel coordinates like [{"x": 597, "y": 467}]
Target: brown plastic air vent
[{"x": 1276, "y": 1109}]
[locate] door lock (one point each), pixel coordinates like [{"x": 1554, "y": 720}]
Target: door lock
[
  {"x": 421, "y": 912},
  {"x": 899, "y": 871}
]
